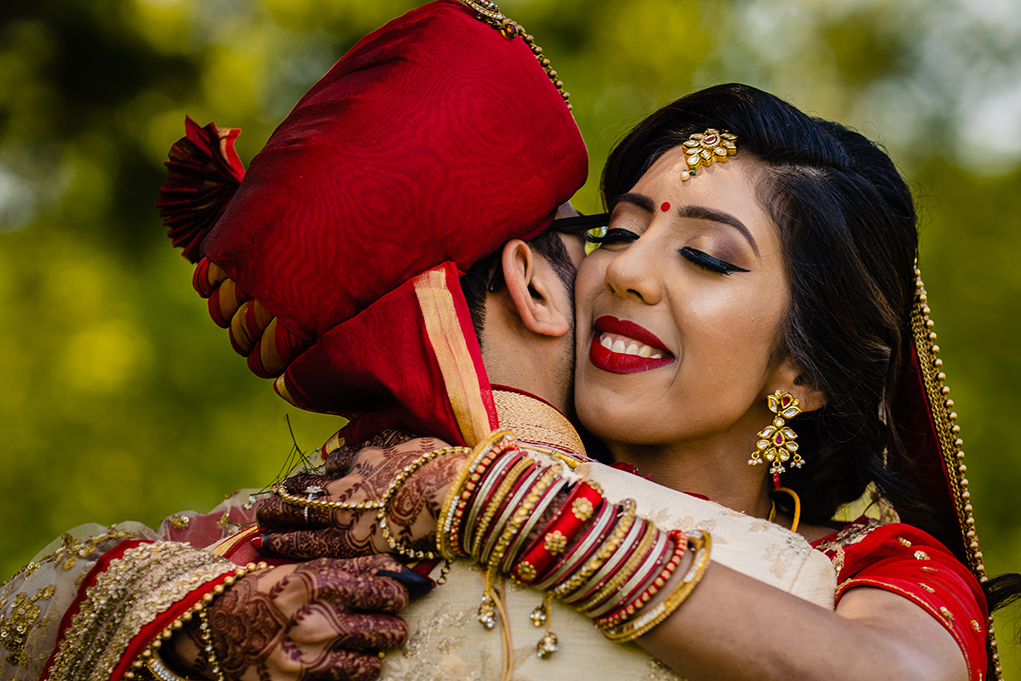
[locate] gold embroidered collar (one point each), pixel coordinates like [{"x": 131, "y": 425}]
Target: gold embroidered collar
[{"x": 535, "y": 422}]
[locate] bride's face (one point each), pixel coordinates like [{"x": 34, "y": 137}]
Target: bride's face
[{"x": 679, "y": 311}]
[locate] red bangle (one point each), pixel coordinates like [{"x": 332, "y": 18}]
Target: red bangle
[
  {"x": 576, "y": 510},
  {"x": 680, "y": 548},
  {"x": 453, "y": 534},
  {"x": 637, "y": 579},
  {"x": 516, "y": 547},
  {"x": 493, "y": 503},
  {"x": 477, "y": 501},
  {"x": 583, "y": 549},
  {"x": 518, "y": 491}
]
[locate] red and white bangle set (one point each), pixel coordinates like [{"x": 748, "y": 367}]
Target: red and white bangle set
[{"x": 595, "y": 555}]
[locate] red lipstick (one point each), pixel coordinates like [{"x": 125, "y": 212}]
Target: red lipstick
[{"x": 617, "y": 362}]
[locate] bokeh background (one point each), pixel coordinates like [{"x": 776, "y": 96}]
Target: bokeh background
[{"x": 119, "y": 398}]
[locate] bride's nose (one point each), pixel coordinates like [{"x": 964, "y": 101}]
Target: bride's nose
[{"x": 634, "y": 273}]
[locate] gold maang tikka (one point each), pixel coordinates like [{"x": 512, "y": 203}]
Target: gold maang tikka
[{"x": 702, "y": 148}]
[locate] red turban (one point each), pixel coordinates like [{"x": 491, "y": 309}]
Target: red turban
[{"x": 425, "y": 148}]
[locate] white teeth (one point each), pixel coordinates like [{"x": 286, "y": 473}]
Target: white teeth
[{"x": 632, "y": 348}]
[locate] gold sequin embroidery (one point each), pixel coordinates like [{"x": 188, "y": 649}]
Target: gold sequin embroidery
[
  {"x": 126, "y": 597},
  {"x": 921, "y": 555},
  {"x": 15, "y": 628}
]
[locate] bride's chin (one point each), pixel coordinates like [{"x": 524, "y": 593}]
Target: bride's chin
[{"x": 609, "y": 418}]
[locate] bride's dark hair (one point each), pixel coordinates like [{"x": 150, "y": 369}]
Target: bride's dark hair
[{"x": 847, "y": 225}]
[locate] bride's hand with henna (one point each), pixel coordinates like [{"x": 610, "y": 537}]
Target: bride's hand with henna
[
  {"x": 321, "y": 620},
  {"x": 304, "y": 532}
]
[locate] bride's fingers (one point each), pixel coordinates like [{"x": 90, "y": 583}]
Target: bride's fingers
[
  {"x": 321, "y": 582},
  {"x": 327, "y": 542},
  {"x": 275, "y": 512},
  {"x": 306, "y": 483},
  {"x": 373, "y": 565},
  {"x": 344, "y": 665},
  {"x": 323, "y": 626},
  {"x": 338, "y": 462}
]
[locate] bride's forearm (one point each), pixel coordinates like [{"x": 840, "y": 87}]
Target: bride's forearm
[{"x": 735, "y": 628}]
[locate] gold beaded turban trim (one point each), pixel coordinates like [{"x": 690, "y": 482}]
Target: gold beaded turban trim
[{"x": 490, "y": 13}]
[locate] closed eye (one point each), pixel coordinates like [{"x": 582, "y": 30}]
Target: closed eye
[
  {"x": 708, "y": 262},
  {"x": 614, "y": 235}
]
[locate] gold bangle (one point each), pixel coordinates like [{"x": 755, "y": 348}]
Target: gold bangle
[
  {"x": 479, "y": 533},
  {"x": 522, "y": 513},
  {"x": 594, "y": 563},
  {"x": 641, "y": 575},
  {"x": 528, "y": 483},
  {"x": 629, "y": 631},
  {"x": 453, "y": 505},
  {"x": 534, "y": 517},
  {"x": 446, "y": 517},
  {"x": 391, "y": 492},
  {"x": 519, "y": 517},
  {"x": 634, "y": 561},
  {"x": 618, "y": 555}
]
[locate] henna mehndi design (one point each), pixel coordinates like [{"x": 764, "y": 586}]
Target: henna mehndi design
[
  {"x": 324, "y": 619},
  {"x": 412, "y": 514}
]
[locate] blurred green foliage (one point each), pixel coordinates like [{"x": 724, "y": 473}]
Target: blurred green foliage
[{"x": 121, "y": 400}]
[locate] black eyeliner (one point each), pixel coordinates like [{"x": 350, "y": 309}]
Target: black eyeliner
[
  {"x": 708, "y": 262},
  {"x": 612, "y": 236}
]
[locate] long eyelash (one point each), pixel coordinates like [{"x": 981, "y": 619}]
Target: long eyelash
[
  {"x": 612, "y": 236},
  {"x": 707, "y": 262}
]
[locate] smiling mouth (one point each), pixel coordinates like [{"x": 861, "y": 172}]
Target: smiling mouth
[{"x": 623, "y": 347}]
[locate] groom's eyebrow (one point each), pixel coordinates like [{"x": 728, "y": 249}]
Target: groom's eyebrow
[{"x": 640, "y": 200}]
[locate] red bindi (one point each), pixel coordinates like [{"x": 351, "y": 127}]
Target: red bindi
[{"x": 665, "y": 207}]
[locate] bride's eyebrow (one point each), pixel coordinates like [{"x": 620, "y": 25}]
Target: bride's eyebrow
[
  {"x": 640, "y": 200},
  {"x": 703, "y": 213}
]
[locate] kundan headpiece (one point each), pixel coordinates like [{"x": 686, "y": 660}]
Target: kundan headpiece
[{"x": 335, "y": 259}]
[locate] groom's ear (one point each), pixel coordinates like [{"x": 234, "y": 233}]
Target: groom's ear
[{"x": 531, "y": 285}]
